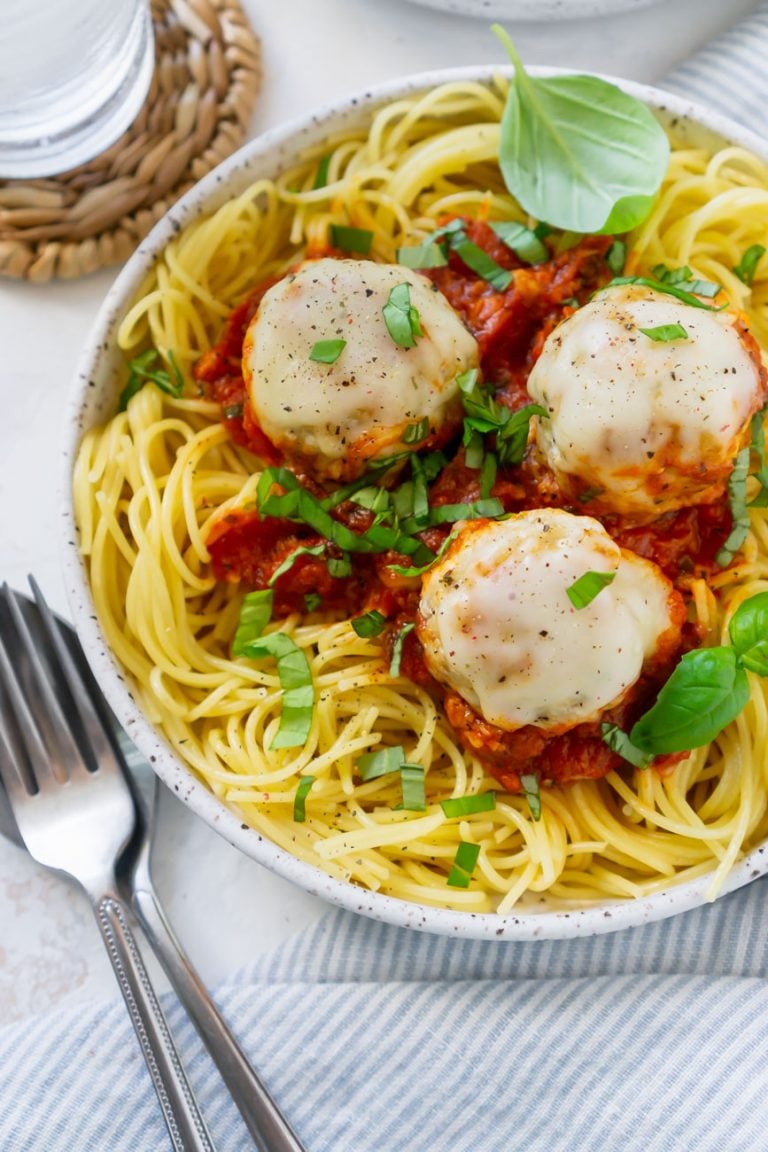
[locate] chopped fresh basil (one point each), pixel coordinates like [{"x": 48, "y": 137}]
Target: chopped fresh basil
[
  {"x": 321, "y": 175},
  {"x": 339, "y": 566},
  {"x": 530, "y": 785},
  {"x": 747, "y": 266},
  {"x": 296, "y": 503},
  {"x": 380, "y": 763},
  {"x": 415, "y": 433},
  {"x": 299, "y": 800},
  {"x": 616, "y": 257},
  {"x": 374, "y": 499},
  {"x": 327, "y": 351},
  {"x": 480, "y": 262},
  {"x": 757, "y": 446},
  {"x": 255, "y": 614},
  {"x": 665, "y": 333},
  {"x": 684, "y": 278},
  {"x": 463, "y": 865},
  {"x": 524, "y": 242},
  {"x": 312, "y": 601},
  {"x": 621, "y": 744},
  {"x": 483, "y": 414},
  {"x": 295, "y": 679},
  {"x": 488, "y": 471},
  {"x": 669, "y": 288},
  {"x": 142, "y": 370},
  {"x": 512, "y": 437},
  {"x": 578, "y": 152},
  {"x": 401, "y": 318},
  {"x": 351, "y": 239},
  {"x": 370, "y": 624},
  {"x": 468, "y": 805},
  {"x": 288, "y": 563},
  {"x": 413, "y": 572},
  {"x": 426, "y": 255},
  {"x": 474, "y": 448},
  {"x": 583, "y": 591},
  {"x": 232, "y": 411},
  {"x": 706, "y": 691},
  {"x": 737, "y": 500},
  {"x": 412, "y": 783},
  {"x": 397, "y": 648}
]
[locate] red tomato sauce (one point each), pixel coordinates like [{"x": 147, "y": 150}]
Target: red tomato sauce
[{"x": 510, "y": 327}]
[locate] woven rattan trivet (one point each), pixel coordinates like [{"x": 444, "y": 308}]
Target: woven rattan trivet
[{"x": 207, "y": 75}]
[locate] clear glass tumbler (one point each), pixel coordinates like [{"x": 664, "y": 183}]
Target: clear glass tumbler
[{"x": 73, "y": 75}]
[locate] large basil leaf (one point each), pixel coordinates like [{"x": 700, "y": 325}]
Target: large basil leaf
[
  {"x": 749, "y": 633},
  {"x": 707, "y": 690},
  {"x": 577, "y": 152}
]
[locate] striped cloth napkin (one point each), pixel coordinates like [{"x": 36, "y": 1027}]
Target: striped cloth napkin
[{"x": 376, "y": 1039}]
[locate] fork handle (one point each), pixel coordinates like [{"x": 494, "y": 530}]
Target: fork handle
[
  {"x": 268, "y": 1127},
  {"x": 185, "y": 1124}
]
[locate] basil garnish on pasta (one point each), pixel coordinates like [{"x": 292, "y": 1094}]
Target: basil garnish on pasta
[
  {"x": 484, "y": 414},
  {"x": 397, "y": 648},
  {"x": 670, "y": 288},
  {"x": 412, "y": 783},
  {"x": 530, "y": 785},
  {"x": 385, "y": 761},
  {"x": 747, "y": 266},
  {"x": 142, "y": 370},
  {"x": 577, "y": 152},
  {"x": 321, "y": 175},
  {"x": 293, "y": 669},
  {"x": 463, "y": 865},
  {"x": 458, "y": 806},
  {"x": 369, "y": 625},
  {"x": 737, "y": 501},
  {"x": 616, "y": 257},
  {"x": 349, "y": 239},
  {"x": 618, "y": 740},
  {"x": 300, "y": 798},
  {"x": 526, "y": 243}
]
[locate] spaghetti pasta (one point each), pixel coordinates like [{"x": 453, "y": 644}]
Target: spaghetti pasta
[{"x": 149, "y": 484}]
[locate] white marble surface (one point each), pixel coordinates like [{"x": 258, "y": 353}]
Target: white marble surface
[{"x": 225, "y": 907}]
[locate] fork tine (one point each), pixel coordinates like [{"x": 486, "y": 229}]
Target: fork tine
[
  {"x": 27, "y": 734},
  {"x": 104, "y": 752},
  {"x": 42, "y": 724},
  {"x": 12, "y": 773}
]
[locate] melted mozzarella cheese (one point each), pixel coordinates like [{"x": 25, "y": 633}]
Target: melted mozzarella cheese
[
  {"x": 334, "y": 419},
  {"x": 498, "y": 627},
  {"x": 646, "y": 426}
]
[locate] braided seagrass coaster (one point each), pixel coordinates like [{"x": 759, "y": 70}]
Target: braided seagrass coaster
[{"x": 207, "y": 75}]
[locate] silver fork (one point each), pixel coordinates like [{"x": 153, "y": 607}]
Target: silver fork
[
  {"x": 71, "y": 712},
  {"x": 76, "y": 814}
]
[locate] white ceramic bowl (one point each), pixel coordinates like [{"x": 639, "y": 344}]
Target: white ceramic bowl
[
  {"x": 535, "y": 9},
  {"x": 93, "y": 400}
]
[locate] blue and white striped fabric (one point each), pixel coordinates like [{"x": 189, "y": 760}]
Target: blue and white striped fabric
[
  {"x": 374, "y": 1039},
  {"x": 731, "y": 74}
]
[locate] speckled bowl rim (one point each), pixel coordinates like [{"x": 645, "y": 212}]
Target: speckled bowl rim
[
  {"x": 93, "y": 399},
  {"x": 535, "y": 9}
]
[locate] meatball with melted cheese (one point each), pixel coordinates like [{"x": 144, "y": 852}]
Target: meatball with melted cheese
[
  {"x": 642, "y": 426},
  {"x": 334, "y": 420},
  {"x": 498, "y": 627}
]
